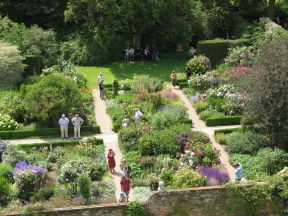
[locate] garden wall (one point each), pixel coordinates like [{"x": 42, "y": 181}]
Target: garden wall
[{"x": 200, "y": 201}]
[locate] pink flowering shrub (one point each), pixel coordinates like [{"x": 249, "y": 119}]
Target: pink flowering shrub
[
  {"x": 236, "y": 74},
  {"x": 199, "y": 64},
  {"x": 153, "y": 181},
  {"x": 29, "y": 182},
  {"x": 240, "y": 56},
  {"x": 169, "y": 95}
]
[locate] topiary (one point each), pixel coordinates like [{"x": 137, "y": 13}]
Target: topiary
[{"x": 96, "y": 171}]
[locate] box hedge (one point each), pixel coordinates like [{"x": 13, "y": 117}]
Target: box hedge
[
  {"x": 216, "y": 50},
  {"x": 17, "y": 134},
  {"x": 186, "y": 121},
  {"x": 220, "y": 121},
  {"x": 227, "y": 131},
  {"x": 99, "y": 141},
  {"x": 183, "y": 85},
  {"x": 116, "y": 127}
]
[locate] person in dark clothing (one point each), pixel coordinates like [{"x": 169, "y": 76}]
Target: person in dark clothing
[
  {"x": 188, "y": 72},
  {"x": 154, "y": 51},
  {"x": 137, "y": 54},
  {"x": 147, "y": 53}
]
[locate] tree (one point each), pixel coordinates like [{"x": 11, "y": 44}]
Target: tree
[
  {"x": 267, "y": 92},
  {"x": 11, "y": 66},
  {"x": 271, "y": 8},
  {"x": 51, "y": 97}
]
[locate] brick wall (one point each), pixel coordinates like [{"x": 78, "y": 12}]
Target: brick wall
[{"x": 201, "y": 201}]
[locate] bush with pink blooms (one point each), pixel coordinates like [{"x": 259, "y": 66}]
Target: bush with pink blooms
[{"x": 199, "y": 65}]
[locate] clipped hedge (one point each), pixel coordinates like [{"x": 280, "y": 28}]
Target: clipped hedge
[
  {"x": 186, "y": 121},
  {"x": 183, "y": 85},
  {"x": 216, "y": 50},
  {"x": 220, "y": 121},
  {"x": 227, "y": 131},
  {"x": 33, "y": 65},
  {"x": 116, "y": 127},
  {"x": 99, "y": 141},
  {"x": 17, "y": 134}
]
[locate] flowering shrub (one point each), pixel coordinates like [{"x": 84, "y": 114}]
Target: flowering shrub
[
  {"x": 200, "y": 82},
  {"x": 185, "y": 178},
  {"x": 146, "y": 128},
  {"x": 199, "y": 64},
  {"x": 195, "y": 98},
  {"x": 29, "y": 179},
  {"x": 7, "y": 123},
  {"x": 169, "y": 95},
  {"x": 233, "y": 104},
  {"x": 125, "y": 84},
  {"x": 240, "y": 56},
  {"x": 68, "y": 70},
  {"x": 153, "y": 181},
  {"x": 3, "y": 146},
  {"x": 214, "y": 176},
  {"x": 236, "y": 75},
  {"x": 111, "y": 103},
  {"x": 222, "y": 91}
]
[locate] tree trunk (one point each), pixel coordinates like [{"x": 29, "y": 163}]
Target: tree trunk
[
  {"x": 271, "y": 7},
  {"x": 136, "y": 40}
]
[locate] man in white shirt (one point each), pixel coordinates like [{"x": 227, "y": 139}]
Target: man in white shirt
[
  {"x": 77, "y": 122},
  {"x": 63, "y": 122}
]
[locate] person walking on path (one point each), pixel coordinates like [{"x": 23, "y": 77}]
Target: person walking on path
[
  {"x": 77, "y": 122},
  {"x": 126, "y": 121},
  {"x": 111, "y": 160},
  {"x": 138, "y": 116},
  {"x": 173, "y": 77},
  {"x": 100, "y": 79},
  {"x": 125, "y": 186},
  {"x": 63, "y": 122},
  {"x": 238, "y": 172},
  {"x": 126, "y": 171},
  {"x": 101, "y": 89}
]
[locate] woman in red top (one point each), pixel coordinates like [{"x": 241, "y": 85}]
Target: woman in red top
[
  {"x": 111, "y": 160},
  {"x": 125, "y": 186}
]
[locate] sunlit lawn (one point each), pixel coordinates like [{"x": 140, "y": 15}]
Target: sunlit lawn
[{"x": 126, "y": 70}]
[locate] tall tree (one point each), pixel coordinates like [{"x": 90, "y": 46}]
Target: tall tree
[{"x": 271, "y": 8}]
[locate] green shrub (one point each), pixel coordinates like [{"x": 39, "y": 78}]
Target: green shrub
[
  {"x": 221, "y": 138},
  {"x": 33, "y": 65},
  {"x": 186, "y": 178},
  {"x": 7, "y": 123},
  {"x": 116, "y": 127},
  {"x": 47, "y": 192},
  {"x": 210, "y": 114},
  {"x": 5, "y": 171},
  {"x": 186, "y": 121},
  {"x": 141, "y": 193},
  {"x": 245, "y": 143},
  {"x": 215, "y": 101},
  {"x": 145, "y": 83},
  {"x": 128, "y": 138},
  {"x": 55, "y": 154},
  {"x": 122, "y": 98},
  {"x": 167, "y": 116},
  {"x": 240, "y": 56},
  {"x": 183, "y": 85},
  {"x": 199, "y": 65},
  {"x": 227, "y": 131},
  {"x": 97, "y": 170},
  {"x": 167, "y": 177},
  {"x": 12, "y": 155},
  {"x": 200, "y": 106},
  {"x": 5, "y": 191},
  {"x": 220, "y": 121},
  {"x": 135, "y": 208},
  {"x": 84, "y": 184}
]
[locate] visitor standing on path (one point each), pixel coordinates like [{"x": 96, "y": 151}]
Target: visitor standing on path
[
  {"x": 173, "y": 77},
  {"x": 101, "y": 89},
  {"x": 188, "y": 73},
  {"x": 100, "y": 79},
  {"x": 138, "y": 116},
  {"x": 126, "y": 171},
  {"x": 77, "y": 122},
  {"x": 125, "y": 186},
  {"x": 238, "y": 172},
  {"x": 63, "y": 122},
  {"x": 111, "y": 160}
]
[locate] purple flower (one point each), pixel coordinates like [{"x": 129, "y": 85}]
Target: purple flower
[
  {"x": 214, "y": 175},
  {"x": 22, "y": 165}
]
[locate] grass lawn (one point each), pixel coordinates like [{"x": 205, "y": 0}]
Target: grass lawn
[{"x": 126, "y": 70}]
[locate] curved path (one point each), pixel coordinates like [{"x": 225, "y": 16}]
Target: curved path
[{"x": 111, "y": 139}]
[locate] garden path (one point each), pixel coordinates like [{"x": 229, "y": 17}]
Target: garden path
[{"x": 199, "y": 125}]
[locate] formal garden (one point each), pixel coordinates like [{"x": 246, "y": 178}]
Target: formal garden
[{"x": 240, "y": 79}]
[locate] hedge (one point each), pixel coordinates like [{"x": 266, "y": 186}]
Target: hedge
[
  {"x": 33, "y": 65},
  {"x": 99, "y": 141},
  {"x": 227, "y": 131},
  {"x": 216, "y": 50},
  {"x": 186, "y": 121},
  {"x": 183, "y": 85},
  {"x": 219, "y": 121},
  {"x": 17, "y": 134},
  {"x": 116, "y": 127}
]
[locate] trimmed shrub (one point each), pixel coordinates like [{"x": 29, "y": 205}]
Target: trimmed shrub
[
  {"x": 229, "y": 120},
  {"x": 186, "y": 121},
  {"x": 199, "y": 65},
  {"x": 245, "y": 143},
  {"x": 227, "y": 131},
  {"x": 116, "y": 127},
  {"x": 183, "y": 84},
  {"x": 97, "y": 170},
  {"x": 200, "y": 106},
  {"x": 84, "y": 184},
  {"x": 216, "y": 50},
  {"x": 210, "y": 114}
]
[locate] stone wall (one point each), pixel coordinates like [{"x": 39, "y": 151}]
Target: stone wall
[{"x": 201, "y": 201}]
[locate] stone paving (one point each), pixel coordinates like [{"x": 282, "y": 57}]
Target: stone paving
[{"x": 111, "y": 139}]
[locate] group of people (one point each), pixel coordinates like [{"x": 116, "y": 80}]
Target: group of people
[
  {"x": 76, "y": 121},
  {"x": 125, "y": 180},
  {"x": 139, "y": 53},
  {"x": 179, "y": 50}
]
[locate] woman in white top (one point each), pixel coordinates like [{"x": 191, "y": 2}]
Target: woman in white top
[{"x": 192, "y": 52}]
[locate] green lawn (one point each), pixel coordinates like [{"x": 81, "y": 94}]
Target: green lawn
[{"x": 126, "y": 70}]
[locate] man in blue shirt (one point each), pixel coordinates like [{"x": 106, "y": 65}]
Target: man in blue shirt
[
  {"x": 63, "y": 122},
  {"x": 238, "y": 172}
]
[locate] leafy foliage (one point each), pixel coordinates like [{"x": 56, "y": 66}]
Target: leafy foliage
[
  {"x": 5, "y": 191},
  {"x": 199, "y": 64},
  {"x": 84, "y": 184},
  {"x": 145, "y": 83},
  {"x": 185, "y": 178},
  {"x": 11, "y": 66},
  {"x": 7, "y": 123},
  {"x": 135, "y": 208}
]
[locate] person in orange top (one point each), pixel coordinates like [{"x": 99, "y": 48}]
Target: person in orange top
[
  {"x": 173, "y": 76},
  {"x": 111, "y": 160}
]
